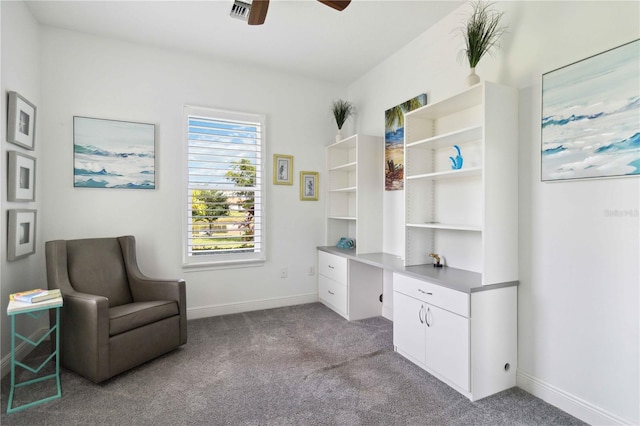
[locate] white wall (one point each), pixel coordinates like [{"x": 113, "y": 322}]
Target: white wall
[
  {"x": 96, "y": 77},
  {"x": 20, "y": 73},
  {"x": 578, "y": 321}
]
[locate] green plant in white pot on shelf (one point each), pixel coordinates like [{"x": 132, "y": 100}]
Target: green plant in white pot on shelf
[
  {"x": 342, "y": 110},
  {"x": 481, "y": 34}
]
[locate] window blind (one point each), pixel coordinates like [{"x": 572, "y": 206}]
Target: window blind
[{"x": 225, "y": 217}]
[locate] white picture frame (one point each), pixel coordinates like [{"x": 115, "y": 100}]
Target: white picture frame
[
  {"x": 21, "y": 177},
  {"x": 21, "y": 236},
  {"x": 21, "y": 124}
]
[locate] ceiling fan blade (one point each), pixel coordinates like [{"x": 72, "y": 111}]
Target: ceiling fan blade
[
  {"x": 258, "y": 12},
  {"x": 336, "y": 4}
]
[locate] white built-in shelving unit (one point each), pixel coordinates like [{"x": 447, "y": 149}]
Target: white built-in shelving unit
[
  {"x": 468, "y": 216},
  {"x": 354, "y": 192}
]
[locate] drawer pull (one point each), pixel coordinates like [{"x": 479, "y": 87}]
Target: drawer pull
[
  {"x": 425, "y": 292},
  {"x": 331, "y": 267},
  {"x": 331, "y": 293}
]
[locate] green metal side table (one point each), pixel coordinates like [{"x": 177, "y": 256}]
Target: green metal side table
[{"x": 34, "y": 310}]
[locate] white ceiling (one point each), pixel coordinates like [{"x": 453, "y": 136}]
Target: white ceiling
[{"x": 299, "y": 36}]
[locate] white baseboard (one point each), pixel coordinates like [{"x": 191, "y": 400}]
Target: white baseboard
[
  {"x": 22, "y": 350},
  {"x": 567, "y": 402},
  {"x": 254, "y": 305}
]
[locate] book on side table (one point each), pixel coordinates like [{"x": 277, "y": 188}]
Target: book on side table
[
  {"x": 17, "y": 307},
  {"x": 35, "y": 296}
]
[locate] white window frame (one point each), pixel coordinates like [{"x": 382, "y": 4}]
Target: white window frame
[{"x": 224, "y": 259}]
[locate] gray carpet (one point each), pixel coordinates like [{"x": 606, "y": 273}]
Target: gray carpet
[{"x": 299, "y": 365}]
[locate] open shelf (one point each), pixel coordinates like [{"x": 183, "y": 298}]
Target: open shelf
[
  {"x": 459, "y": 136},
  {"x": 450, "y": 174},
  {"x": 451, "y": 226},
  {"x": 468, "y": 215},
  {"x": 354, "y": 192}
]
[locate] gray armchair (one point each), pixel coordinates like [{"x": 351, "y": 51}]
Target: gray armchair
[{"x": 114, "y": 318}]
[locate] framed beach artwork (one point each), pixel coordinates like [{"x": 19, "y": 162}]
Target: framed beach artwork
[
  {"x": 113, "y": 154},
  {"x": 394, "y": 141},
  {"x": 21, "y": 234},
  {"x": 21, "y": 177},
  {"x": 21, "y": 121},
  {"x": 309, "y": 186},
  {"x": 591, "y": 117},
  {"x": 282, "y": 169}
]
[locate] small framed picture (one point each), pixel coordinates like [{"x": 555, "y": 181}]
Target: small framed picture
[
  {"x": 22, "y": 177},
  {"x": 21, "y": 237},
  {"x": 309, "y": 186},
  {"x": 282, "y": 169},
  {"x": 21, "y": 126}
]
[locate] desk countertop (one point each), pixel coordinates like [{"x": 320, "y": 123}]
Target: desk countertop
[{"x": 456, "y": 279}]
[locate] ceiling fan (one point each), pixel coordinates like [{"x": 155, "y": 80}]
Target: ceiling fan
[{"x": 255, "y": 11}]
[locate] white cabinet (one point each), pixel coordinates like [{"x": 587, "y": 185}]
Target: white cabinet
[
  {"x": 432, "y": 337},
  {"x": 467, "y": 340},
  {"x": 350, "y": 288},
  {"x": 447, "y": 346},
  {"x": 467, "y": 215},
  {"x": 354, "y": 192},
  {"x": 332, "y": 282}
]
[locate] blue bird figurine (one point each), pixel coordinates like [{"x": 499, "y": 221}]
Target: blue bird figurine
[{"x": 456, "y": 163}]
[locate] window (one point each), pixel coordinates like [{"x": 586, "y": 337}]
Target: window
[{"x": 225, "y": 198}]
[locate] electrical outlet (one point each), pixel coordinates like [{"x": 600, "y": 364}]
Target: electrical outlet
[{"x": 283, "y": 273}]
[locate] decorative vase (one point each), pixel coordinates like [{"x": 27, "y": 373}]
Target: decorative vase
[
  {"x": 339, "y": 135},
  {"x": 473, "y": 78}
]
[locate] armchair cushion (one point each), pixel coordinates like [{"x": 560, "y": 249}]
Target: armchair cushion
[{"x": 137, "y": 314}]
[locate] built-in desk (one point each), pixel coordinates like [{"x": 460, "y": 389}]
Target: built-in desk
[
  {"x": 453, "y": 278},
  {"x": 444, "y": 319}
]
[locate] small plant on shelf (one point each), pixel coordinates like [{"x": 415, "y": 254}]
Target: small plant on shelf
[
  {"x": 342, "y": 110},
  {"x": 481, "y": 34}
]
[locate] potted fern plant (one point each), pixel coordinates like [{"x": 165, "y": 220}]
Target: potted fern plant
[
  {"x": 342, "y": 110},
  {"x": 481, "y": 34}
]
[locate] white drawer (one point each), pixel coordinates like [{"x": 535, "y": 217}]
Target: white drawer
[
  {"x": 332, "y": 266},
  {"x": 445, "y": 298},
  {"x": 333, "y": 294}
]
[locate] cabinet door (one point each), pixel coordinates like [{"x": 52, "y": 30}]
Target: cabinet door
[
  {"x": 447, "y": 345},
  {"x": 409, "y": 326}
]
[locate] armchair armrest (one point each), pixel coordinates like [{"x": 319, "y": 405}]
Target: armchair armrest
[
  {"x": 85, "y": 334},
  {"x": 144, "y": 288}
]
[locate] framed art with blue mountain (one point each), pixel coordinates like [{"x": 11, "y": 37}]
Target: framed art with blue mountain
[
  {"x": 113, "y": 154},
  {"x": 591, "y": 117}
]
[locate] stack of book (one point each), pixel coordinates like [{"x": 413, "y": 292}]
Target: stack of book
[{"x": 35, "y": 295}]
